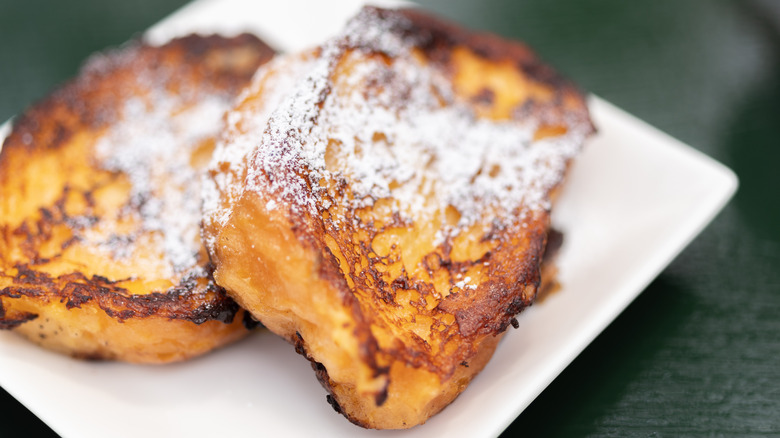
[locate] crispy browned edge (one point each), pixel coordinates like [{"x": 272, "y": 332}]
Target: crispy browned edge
[
  {"x": 90, "y": 101},
  {"x": 493, "y": 313},
  {"x": 437, "y": 37},
  {"x": 547, "y": 284}
]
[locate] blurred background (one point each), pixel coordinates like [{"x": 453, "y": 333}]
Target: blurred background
[{"x": 697, "y": 353}]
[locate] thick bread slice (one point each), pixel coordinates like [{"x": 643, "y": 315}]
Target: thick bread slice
[
  {"x": 382, "y": 202},
  {"x": 100, "y": 252}
]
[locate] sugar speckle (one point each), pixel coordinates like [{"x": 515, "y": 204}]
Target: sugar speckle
[
  {"x": 398, "y": 131},
  {"x": 152, "y": 144}
]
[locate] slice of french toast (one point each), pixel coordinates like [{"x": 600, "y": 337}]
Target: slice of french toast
[
  {"x": 100, "y": 249},
  {"x": 382, "y": 202}
]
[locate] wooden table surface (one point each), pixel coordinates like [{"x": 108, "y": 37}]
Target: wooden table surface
[{"x": 698, "y": 353}]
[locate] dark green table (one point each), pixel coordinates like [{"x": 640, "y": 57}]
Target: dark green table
[{"x": 698, "y": 353}]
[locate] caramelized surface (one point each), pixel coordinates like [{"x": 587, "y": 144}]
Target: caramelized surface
[
  {"x": 383, "y": 204},
  {"x": 100, "y": 254}
]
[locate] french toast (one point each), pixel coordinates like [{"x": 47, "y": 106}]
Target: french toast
[
  {"x": 382, "y": 202},
  {"x": 100, "y": 249}
]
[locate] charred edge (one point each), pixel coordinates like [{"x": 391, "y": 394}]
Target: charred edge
[
  {"x": 554, "y": 243},
  {"x": 91, "y": 356},
  {"x": 334, "y": 404},
  {"x": 548, "y": 283},
  {"x": 381, "y": 397},
  {"x": 298, "y": 342},
  {"x": 75, "y": 289},
  {"x": 322, "y": 376},
  {"x": 324, "y": 379},
  {"x": 223, "y": 310},
  {"x": 492, "y": 311},
  {"x": 319, "y": 370},
  {"x": 12, "y": 323},
  {"x": 77, "y": 295},
  {"x": 27, "y": 276},
  {"x": 235, "y": 74},
  {"x": 440, "y": 36},
  {"x": 92, "y": 99},
  {"x": 250, "y": 323}
]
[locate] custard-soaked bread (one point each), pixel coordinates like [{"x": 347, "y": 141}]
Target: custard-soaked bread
[
  {"x": 100, "y": 251},
  {"x": 383, "y": 202}
]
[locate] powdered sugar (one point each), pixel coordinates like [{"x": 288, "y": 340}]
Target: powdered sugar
[
  {"x": 393, "y": 130},
  {"x": 464, "y": 284},
  {"x": 153, "y": 144},
  {"x": 224, "y": 184}
]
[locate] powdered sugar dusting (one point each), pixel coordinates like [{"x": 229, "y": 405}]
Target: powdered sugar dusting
[
  {"x": 242, "y": 133},
  {"x": 153, "y": 144},
  {"x": 394, "y": 130}
]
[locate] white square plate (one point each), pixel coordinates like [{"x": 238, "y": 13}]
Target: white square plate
[{"x": 634, "y": 200}]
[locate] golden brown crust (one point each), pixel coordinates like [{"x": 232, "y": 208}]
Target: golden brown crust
[
  {"x": 95, "y": 97},
  {"x": 398, "y": 290},
  {"x": 87, "y": 266}
]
